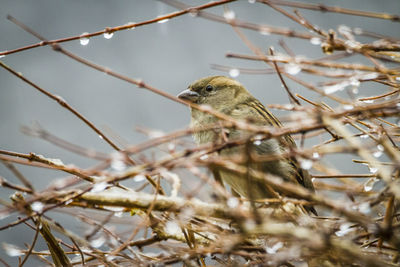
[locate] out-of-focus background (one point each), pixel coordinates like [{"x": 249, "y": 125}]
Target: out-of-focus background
[{"x": 168, "y": 56}]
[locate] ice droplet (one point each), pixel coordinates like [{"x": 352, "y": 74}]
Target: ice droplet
[
  {"x": 204, "y": 157},
  {"x": 315, "y": 41},
  {"x": 370, "y": 184},
  {"x": 108, "y": 35},
  {"x": 274, "y": 248},
  {"x": 377, "y": 154},
  {"x": 12, "y": 250},
  {"x": 156, "y": 134},
  {"x": 306, "y": 164},
  {"x": 117, "y": 161},
  {"x": 315, "y": 155},
  {"x": 98, "y": 242},
  {"x": 372, "y": 169},
  {"x": 368, "y": 101},
  {"x": 100, "y": 187},
  {"x": 232, "y": 202},
  {"x": 194, "y": 13},
  {"x": 330, "y": 89},
  {"x": 348, "y": 107},
  {"x": 364, "y": 208},
  {"x": 234, "y": 73},
  {"x": 292, "y": 68},
  {"x": 130, "y": 23},
  {"x": 344, "y": 229},
  {"x": 139, "y": 178},
  {"x": 172, "y": 228},
  {"x": 257, "y": 142},
  {"x": 229, "y": 15},
  {"x": 171, "y": 147},
  {"x": 354, "y": 82},
  {"x": 162, "y": 21},
  {"x": 358, "y": 31},
  {"x": 37, "y": 206},
  {"x": 84, "y": 40},
  {"x": 264, "y": 31}
]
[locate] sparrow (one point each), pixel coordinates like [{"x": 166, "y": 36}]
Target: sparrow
[{"x": 229, "y": 97}]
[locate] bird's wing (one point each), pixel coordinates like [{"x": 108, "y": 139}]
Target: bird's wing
[{"x": 260, "y": 115}]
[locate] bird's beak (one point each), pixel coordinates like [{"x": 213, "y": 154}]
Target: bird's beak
[{"x": 189, "y": 95}]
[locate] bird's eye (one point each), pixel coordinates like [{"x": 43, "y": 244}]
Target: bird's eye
[{"x": 209, "y": 88}]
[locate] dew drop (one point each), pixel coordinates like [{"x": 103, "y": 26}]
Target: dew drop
[
  {"x": 1, "y": 56},
  {"x": 354, "y": 90},
  {"x": 84, "y": 40},
  {"x": 229, "y": 15},
  {"x": 315, "y": 41},
  {"x": 37, "y": 206},
  {"x": 306, "y": 164},
  {"x": 380, "y": 147},
  {"x": 364, "y": 136},
  {"x": 232, "y": 202},
  {"x": 108, "y": 35},
  {"x": 252, "y": 1},
  {"x": 100, "y": 136},
  {"x": 234, "y": 73},
  {"x": 292, "y": 68}
]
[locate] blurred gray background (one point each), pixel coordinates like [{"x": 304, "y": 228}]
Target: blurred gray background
[{"x": 168, "y": 56}]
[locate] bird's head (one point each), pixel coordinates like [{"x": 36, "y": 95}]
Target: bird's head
[{"x": 218, "y": 92}]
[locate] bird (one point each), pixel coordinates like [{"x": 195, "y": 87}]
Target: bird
[{"x": 229, "y": 97}]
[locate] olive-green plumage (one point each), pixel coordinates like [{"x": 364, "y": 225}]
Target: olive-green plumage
[{"x": 229, "y": 97}]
